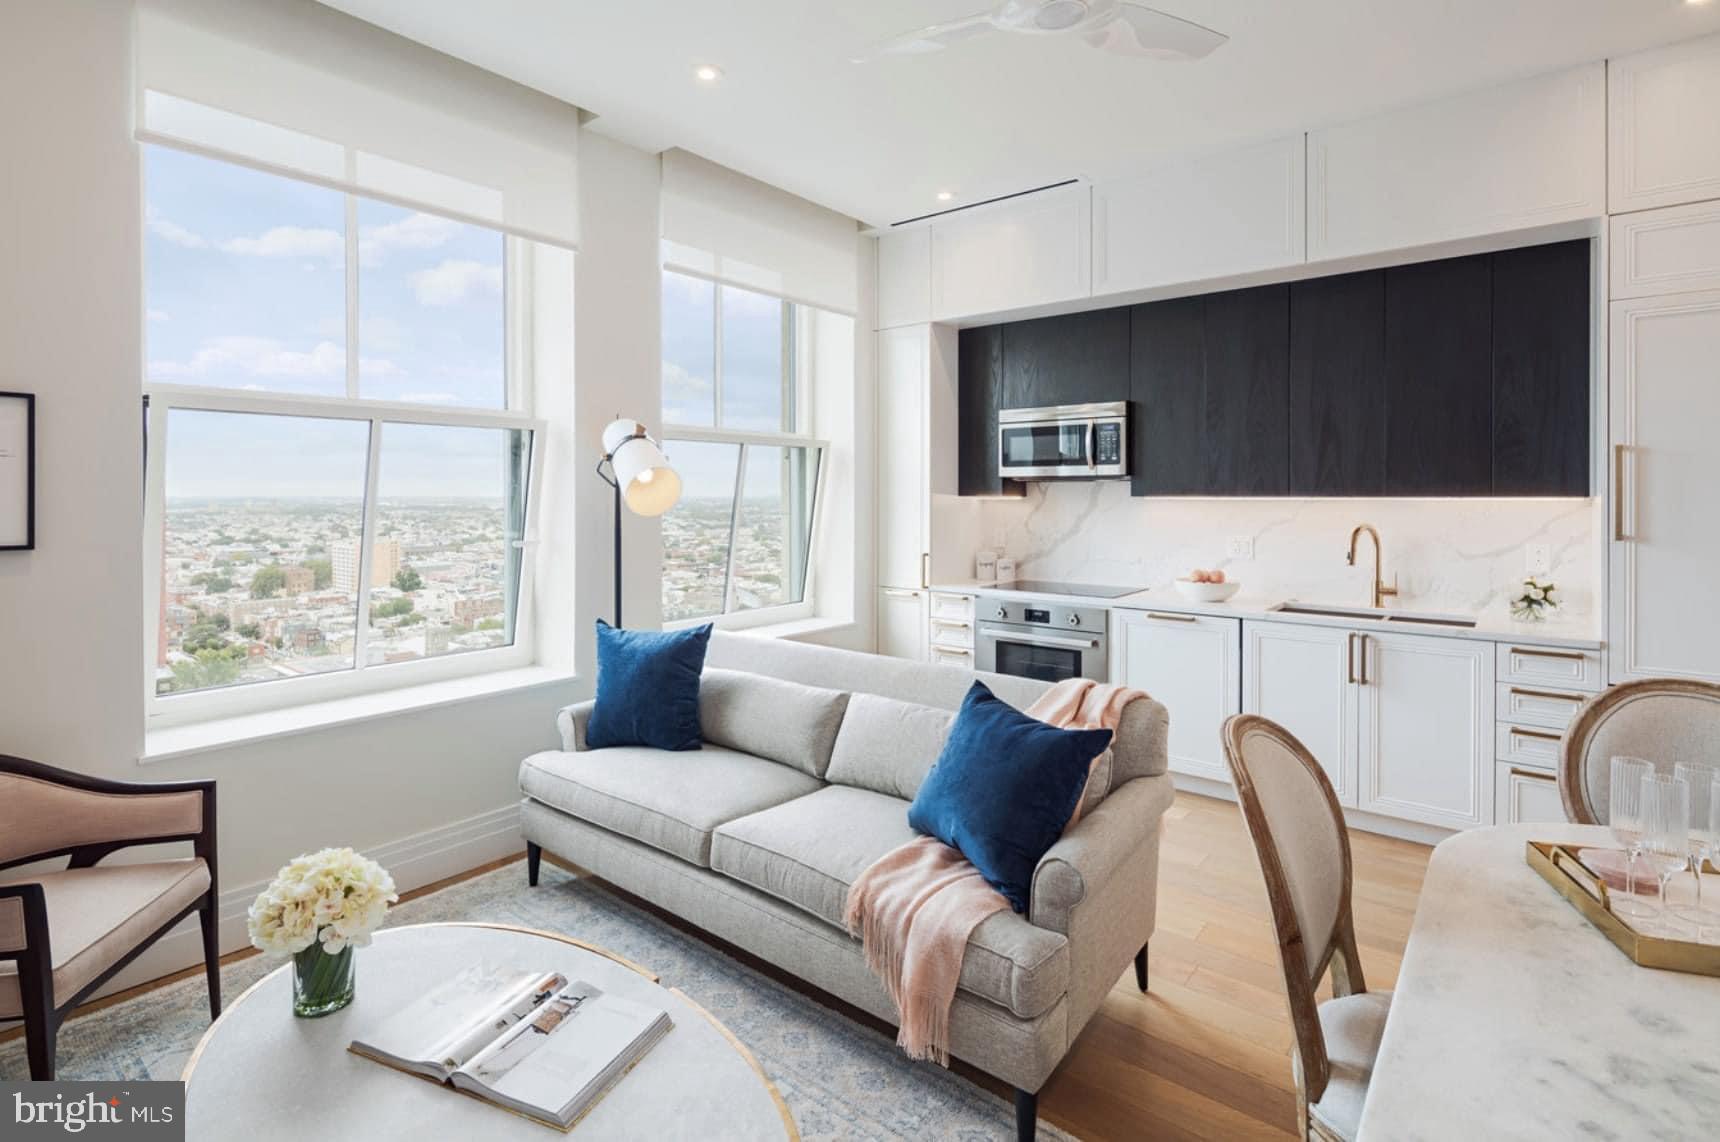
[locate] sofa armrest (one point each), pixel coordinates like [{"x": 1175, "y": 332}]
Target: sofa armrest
[
  {"x": 1119, "y": 839},
  {"x": 571, "y": 721}
]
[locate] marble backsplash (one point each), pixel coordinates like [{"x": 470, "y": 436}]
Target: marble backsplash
[{"x": 1467, "y": 556}]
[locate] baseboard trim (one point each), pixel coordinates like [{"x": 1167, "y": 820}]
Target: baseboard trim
[{"x": 414, "y": 861}]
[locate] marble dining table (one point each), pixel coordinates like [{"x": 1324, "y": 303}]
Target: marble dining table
[{"x": 1514, "y": 1018}]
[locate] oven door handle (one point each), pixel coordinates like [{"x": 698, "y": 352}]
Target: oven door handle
[
  {"x": 1092, "y": 445},
  {"x": 1042, "y": 639}
]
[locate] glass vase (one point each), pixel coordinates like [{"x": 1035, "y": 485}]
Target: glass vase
[{"x": 322, "y": 983}]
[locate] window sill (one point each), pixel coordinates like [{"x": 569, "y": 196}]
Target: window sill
[
  {"x": 796, "y": 628},
  {"x": 170, "y": 742}
]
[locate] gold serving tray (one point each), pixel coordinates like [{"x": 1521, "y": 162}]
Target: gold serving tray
[{"x": 1560, "y": 867}]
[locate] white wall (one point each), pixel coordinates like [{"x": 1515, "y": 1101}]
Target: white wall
[{"x": 432, "y": 790}]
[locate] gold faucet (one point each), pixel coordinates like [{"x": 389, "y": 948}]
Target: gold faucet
[{"x": 1380, "y": 588}]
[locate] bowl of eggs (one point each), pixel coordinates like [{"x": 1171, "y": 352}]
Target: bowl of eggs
[{"x": 1206, "y": 586}]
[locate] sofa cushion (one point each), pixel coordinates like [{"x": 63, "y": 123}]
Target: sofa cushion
[
  {"x": 670, "y": 801},
  {"x": 771, "y": 717},
  {"x": 96, "y": 915},
  {"x": 647, "y": 688},
  {"x": 808, "y": 852},
  {"x": 887, "y": 746}
]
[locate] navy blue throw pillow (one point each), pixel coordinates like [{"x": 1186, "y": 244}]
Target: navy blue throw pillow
[
  {"x": 1004, "y": 787},
  {"x": 647, "y": 687}
]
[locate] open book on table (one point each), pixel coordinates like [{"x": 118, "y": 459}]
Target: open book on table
[{"x": 528, "y": 1041}]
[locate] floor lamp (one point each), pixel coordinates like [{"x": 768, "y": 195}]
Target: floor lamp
[{"x": 640, "y": 475}]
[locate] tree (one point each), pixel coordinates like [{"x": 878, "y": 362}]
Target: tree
[
  {"x": 251, "y": 631},
  {"x": 212, "y": 582},
  {"x": 406, "y": 579},
  {"x": 201, "y": 637},
  {"x": 208, "y": 668},
  {"x": 392, "y": 609},
  {"x": 268, "y": 581},
  {"x": 323, "y": 570}
]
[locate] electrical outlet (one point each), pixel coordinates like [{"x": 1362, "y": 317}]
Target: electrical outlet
[
  {"x": 1538, "y": 559},
  {"x": 1240, "y": 547}
]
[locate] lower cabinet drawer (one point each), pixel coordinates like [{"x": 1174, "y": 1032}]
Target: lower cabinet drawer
[
  {"x": 1536, "y": 705},
  {"x": 1528, "y": 745},
  {"x": 953, "y": 656},
  {"x": 1552, "y": 667},
  {"x": 951, "y": 633},
  {"x": 1522, "y": 794},
  {"x": 957, "y": 608}
]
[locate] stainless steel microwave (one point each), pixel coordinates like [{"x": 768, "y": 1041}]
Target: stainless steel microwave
[{"x": 1068, "y": 441}]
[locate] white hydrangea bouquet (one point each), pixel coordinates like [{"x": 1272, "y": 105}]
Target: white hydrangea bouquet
[
  {"x": 317, "y": 910},
  {"x": 1535, "y": 601}
]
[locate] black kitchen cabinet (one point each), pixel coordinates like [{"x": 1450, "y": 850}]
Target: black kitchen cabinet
[
  {"x": 1079, "y": 358},
  {"x": 1247, "y": 392},
  {"x": 1439, "y": 378},
  {"x": 979, "y": 382},
  {"x": 1541, "y": 370},
  {"x": 1337, "y": 424},
  {"x": 1167, "y": 429}
]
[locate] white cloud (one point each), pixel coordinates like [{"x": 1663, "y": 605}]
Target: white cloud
[
  {"x": 254, "y": 357},
  {"x": 417, "y": 231},
  {"x": 290, "y": 242},
  {"x": 681, "y": 385},
  {"x": 158, "y": 315},
  {"x": 452, "y": 281},
  {"x": 173, "y": 232}
]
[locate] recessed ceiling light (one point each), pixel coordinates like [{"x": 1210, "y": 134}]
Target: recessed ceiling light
[
  {"x": 944, "y": 196},
  {"x": 706, "y": 73}
]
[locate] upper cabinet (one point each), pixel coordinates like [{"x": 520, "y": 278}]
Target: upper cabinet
[
  {"x": 1080, "y": 358},
  {"x": 1525, "y": 154},
  {"x": 1028, "y": 251},
  {"x": 1201, "y": 217},
  {"x": 1663, "y": 133},
  {"x": 905, "y": 277},
  {"x": 1675, "y": 249},
  {"x": 980, "y": 376}
]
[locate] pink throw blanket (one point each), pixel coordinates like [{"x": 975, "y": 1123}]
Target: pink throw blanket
[{"x": 916, "y": 906}]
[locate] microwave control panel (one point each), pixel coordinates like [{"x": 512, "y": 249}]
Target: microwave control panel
[{"x": 1108, "y": 443}]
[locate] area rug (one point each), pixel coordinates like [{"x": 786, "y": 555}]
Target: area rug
[{"x": 842, "y": 1080}]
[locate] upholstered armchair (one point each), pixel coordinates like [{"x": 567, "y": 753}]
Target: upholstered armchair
[
  {"x": 64, "y": 932},
  {"x": 1663, "y": 720}
]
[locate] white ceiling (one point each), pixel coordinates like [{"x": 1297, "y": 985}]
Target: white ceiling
[{"x": 999, "y": 113}]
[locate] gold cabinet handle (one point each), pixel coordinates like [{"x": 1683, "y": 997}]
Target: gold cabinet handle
[
  {"x": 1162, "y": 617},
  {"x": 1350, "y": 656},
  {"x": 1521, "y": 693},
  {"x": 1515, "y": 772},
  {"x": 925, "y": 569},
  {"x": 1569, "y": 656},
  {"x": 1363, "y": 639},
  {"x": 1519, "y": 731},
  {"x": 1618, "y": 492}
]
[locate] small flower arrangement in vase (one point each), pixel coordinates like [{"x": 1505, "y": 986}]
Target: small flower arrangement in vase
[
  {"x": 317, "y": 910},
  {"x": 1535, "y": 601}
]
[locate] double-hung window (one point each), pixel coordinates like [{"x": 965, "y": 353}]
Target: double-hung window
[
  {"x": 340, "y": 446},
  {"x": 736, "y": 397}
]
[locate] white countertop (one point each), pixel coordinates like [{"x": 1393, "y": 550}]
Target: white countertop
[
  {"x": 1514, "y": 1017},
  {"x": 1164, "y": 597}
]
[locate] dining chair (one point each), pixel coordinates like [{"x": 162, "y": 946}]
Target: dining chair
[
  {"x": 1298, "y": 832},
  {"x": 1664, "y": 720},
  {"x": 66, "y": 931}
]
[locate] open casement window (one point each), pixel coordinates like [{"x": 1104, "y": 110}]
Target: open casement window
[
  {"x": 738, "y": 546},
  {"x": 341, "y": 459}
]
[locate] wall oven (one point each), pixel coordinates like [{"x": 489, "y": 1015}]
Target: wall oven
[
  {"x": 1037, "y": 639},
  {"x": 1068, "y": 441}
]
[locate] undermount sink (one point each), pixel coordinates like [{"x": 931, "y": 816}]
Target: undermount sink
[{"x": 1372, "y": 614}]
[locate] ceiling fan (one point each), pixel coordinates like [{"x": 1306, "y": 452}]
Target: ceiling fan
[{"x": 1110, "y": 25}]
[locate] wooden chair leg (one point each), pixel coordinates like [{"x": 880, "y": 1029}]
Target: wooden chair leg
[
  {"x": 1141, "y": 968},
  {"x": 534, "y": 857},
  {"x": 1026, "y": 1115},
  {"x": 211, "y": 924},
  {"x": 41, "y": 1024}
]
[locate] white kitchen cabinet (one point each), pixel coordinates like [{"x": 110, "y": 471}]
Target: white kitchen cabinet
[
  {"x": 1672, "y": 250},
  {"x": 1027, "y": 251},
  {"x": 904, "y": 471},
  {"x": 1664, "y": 396},
  {"x": 1522, "y": 795},
  {"x": 1229, "y": 212},
  {"x": 1524, "y": 154},
  {"x": 1189, "y": 664},
  {"x": 902, "y": 622},
  {"x": 1556, "y": 666},
  {"x": 905, "y": 277},
  {"x": 1302, "y": 677},
  {"x": 1663, "y": 134},
  {"x": 1425, "y": 721}
]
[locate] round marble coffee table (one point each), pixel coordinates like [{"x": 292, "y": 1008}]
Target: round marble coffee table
[{"x": 259, "y": 1073}]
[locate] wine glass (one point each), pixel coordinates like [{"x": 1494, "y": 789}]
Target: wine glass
[
  {"x": 1624, "y": 817},
  {"x": 1665, "y": 828},
  {"x": 1701, "y": 779}
]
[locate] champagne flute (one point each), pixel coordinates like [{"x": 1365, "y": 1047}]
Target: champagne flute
[
  {"x": 1624, "y": 817},
  {"x": 1665, "y": 829},
  {"x": 1701, "y": 779}
]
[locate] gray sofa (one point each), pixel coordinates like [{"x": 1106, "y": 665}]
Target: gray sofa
[{"x": 810, "y": 758}]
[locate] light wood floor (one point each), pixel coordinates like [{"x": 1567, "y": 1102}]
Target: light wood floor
[{"x": 1206, "y": 1053}]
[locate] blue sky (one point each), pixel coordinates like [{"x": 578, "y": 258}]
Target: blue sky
[{"x": 245, "y": 280}]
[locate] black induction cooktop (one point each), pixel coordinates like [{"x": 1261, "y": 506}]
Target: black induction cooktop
[{"x": 1052, "y": 587}]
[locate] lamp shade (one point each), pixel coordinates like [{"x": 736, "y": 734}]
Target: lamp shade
[{"x": 649, "y": 485}]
